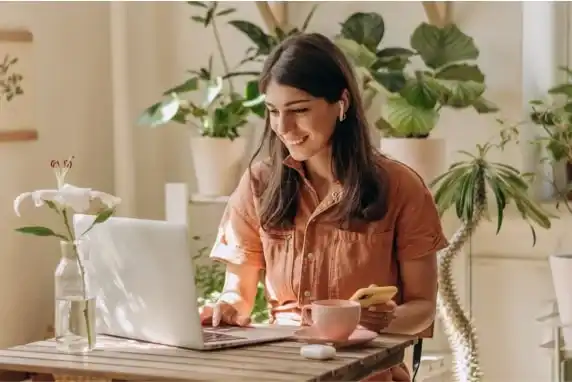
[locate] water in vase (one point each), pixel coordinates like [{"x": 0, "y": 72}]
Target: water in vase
[{"x": 72, "y": 317}]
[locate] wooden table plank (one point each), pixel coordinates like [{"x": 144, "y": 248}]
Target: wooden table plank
[
  {"x": 134, "y": 360},
  {"x": 257, "y": 358}
]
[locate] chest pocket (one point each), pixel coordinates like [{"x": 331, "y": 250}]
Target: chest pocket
[
  {"x": 278, "y": 247},
  {"x": 361, "y": 259}
]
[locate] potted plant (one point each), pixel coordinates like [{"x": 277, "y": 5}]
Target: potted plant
[
  {"x": 554, "y": 119},
  {"x": 218, "y": 149},
  {"x": 413, "y": 99},
  {"x": 465, "y": 187},
  {"x": 210, "y": 281},
  {"x": 265, "y": 42}
]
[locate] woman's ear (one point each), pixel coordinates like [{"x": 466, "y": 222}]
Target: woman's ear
[{"x": 345, "y": 101}]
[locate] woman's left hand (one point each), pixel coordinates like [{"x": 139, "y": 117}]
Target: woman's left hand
[{"x": 378, "y": 316}]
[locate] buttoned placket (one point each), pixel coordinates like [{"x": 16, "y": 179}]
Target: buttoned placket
[{"x": 304, "y": 287}]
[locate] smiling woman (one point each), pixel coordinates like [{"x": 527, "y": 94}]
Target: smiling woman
[{"x": 326, "y": 214}]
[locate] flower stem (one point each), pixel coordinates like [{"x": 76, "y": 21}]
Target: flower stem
[
  {"x": 82, "y": 273},
  {"x": 222, "y": 55}
]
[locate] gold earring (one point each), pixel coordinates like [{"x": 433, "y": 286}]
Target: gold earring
[{"x": 342, "y": 112}]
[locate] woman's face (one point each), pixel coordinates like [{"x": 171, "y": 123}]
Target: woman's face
[{"x": 305, "y": 124}]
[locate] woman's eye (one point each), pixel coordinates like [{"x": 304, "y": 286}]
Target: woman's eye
[
  {"x": 300, "y": 111},
  {"x": 273, "y": 112}
]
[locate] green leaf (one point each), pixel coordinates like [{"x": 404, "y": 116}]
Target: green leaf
[
  {"x": 483, "y": 106},
  {"x": 262, "y": 41},
  {"x": 213, "y": 91},
  {"x": 423, "y": 93},
  {"x": 461, "y": 72},
  {"x": 358, "y": 54},
  {"x": 160, "y": 113},
  {"x": 394, "y": 58},
  {"x": 365, "y": 29},
  {"x": 197, "y": 4},
  {"x": 408, "y": 120},
  {"x": 499, "y": 198},
  {"x": 395, "y": 52},
  {"x": 39, "y": 231},
  {"x": 104, "y": 215},
  {"x": 565, "y": 89},
  {"x": 384, "y": 127},
  {"x": 52, "y": 205},
  {"x": 226, "y": 11},
  {"x": 210, "y": 13},
  {"x": 100, "y": 218},
  {"x": 557, "y": 149},
  {"x": 279, "y": 34},
  {"x": 199, "y": 19},
  {"x": 393, "y": 81},
  {"x": 461, "y": 93},
  {"x": 255, "y": 100},
  {"x": 240, "y": 74},
  {"x": 442, "y": 46},
  {"x": 189, "y": 85}
]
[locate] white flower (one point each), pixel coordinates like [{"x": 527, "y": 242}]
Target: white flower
[{"x": 68, "y": 196}]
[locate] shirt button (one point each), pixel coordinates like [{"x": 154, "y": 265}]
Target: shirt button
[
  {"x": 310, "y": 256},
  {"x": 307, "y": 293}
]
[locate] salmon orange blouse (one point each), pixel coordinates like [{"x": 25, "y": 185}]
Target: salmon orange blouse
[{"x": 318, "y": 259}]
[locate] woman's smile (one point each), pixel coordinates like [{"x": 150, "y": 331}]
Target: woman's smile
[{"x": 295, "y": 141}]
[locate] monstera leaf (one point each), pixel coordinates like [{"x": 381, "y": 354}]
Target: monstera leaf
[
  {"x": 441, "y": 46},
  {"x": 461, "y": 94},
  {"x": 366, "y": 29},
  {"x": 423, "y": 91},
  {"x": 358, "y": 54},
  {"x": 407, "y": 120}
]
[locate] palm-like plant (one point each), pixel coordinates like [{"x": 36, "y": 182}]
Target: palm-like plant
[{"x": 465, "y": 187}]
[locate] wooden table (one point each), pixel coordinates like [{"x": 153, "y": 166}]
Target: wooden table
[{"x": 128, "y": 360}]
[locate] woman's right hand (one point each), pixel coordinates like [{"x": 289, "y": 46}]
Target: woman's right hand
[{"x": 223, "y": 313}]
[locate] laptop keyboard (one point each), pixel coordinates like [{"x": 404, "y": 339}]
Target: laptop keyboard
[{"x": 219, "y": 334}]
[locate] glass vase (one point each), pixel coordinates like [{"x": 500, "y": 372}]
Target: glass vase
[{"x": 75, "y": 304}]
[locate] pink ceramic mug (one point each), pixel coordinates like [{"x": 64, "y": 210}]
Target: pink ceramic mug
[{"x": 333, "y": 319}]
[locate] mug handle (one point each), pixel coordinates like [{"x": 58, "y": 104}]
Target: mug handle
[{"x": 306, "y": 315}]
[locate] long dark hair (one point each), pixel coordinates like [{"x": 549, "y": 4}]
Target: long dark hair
[{"x": 312, "y": 63}]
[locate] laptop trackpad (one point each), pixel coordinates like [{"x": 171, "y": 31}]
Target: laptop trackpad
[
  {"x": 223, "y": 333},
  {"x": 230, "y": 333}
]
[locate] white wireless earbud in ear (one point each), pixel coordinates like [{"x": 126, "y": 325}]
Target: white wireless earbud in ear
[{"x": 342, "y": 111}]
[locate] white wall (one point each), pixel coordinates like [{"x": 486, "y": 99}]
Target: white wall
[{"x": 74, "y": 114}]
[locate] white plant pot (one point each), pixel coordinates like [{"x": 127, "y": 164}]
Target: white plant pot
[
  {"x": 561, "y": 268},
  {"x": 425, "y": 156},
  {"x": 218, "y": 164}
]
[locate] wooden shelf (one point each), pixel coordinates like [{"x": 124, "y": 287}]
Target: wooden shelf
[
  {"x": 23, "y": 135},
  {"x": 198, "y": 198},
  {"x": 16, "y": 35}
]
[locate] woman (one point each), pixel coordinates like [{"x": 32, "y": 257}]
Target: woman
[{"x": 327, "y": 214}]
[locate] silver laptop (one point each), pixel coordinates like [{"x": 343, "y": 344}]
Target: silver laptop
[{"x": 145, "y": 286}]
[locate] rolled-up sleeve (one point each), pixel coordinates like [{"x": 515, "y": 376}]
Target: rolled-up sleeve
[
  {"x": 238, "y": 239},
  {"x": 419, "y": 229}
]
